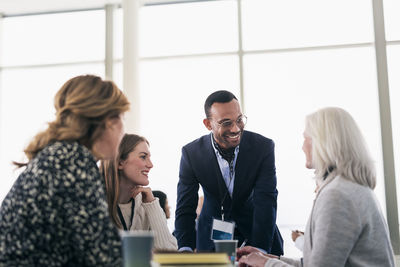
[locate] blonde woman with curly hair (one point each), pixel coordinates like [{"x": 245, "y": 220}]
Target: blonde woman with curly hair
[
  {"x": 346, "y": 226},
  {"x": 131, "y": 202},
  {"x": 56, "y": 213}
]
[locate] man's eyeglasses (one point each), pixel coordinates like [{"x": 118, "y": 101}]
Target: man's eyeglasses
[{"x": 240, "y": 122}]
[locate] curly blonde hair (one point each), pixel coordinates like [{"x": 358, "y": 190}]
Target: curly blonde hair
[{"x": 82, "y": 106}]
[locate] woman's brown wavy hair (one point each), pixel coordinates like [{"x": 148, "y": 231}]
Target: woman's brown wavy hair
[
  {"x": 112, "y": 175},
  {"x": 82, "y": 106}
]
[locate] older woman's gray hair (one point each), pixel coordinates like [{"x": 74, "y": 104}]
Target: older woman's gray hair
[{"x": 339, "y": 147}]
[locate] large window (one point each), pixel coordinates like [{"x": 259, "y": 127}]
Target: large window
[
  {"x": 392, "y": 19},
  {"x": 40, "y": 53},
  {"x": 291, "y": 23},
  {"x": 296, "y": 61},
  {"x": 53, "y": 38}
]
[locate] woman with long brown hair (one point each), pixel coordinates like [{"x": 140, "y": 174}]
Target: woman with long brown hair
[
  {"x": 131, "y": 203},
  {"x": 56, "y": 214}
]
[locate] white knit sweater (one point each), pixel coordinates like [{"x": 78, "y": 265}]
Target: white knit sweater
[{"x": 150, "y": 216}]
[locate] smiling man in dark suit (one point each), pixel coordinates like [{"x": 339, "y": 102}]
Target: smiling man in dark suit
[{"x": 236, "y": 170}]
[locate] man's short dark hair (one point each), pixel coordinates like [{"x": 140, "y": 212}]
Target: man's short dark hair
[{"x": 221, "y": 96}]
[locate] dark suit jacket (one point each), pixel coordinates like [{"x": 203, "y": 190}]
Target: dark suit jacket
[{"x": 253, "y": 207}]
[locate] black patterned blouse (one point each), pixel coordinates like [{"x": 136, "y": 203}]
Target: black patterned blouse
[{"x": 56, "y": 214}]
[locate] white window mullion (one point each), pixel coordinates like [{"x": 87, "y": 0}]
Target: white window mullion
[{"x": 386, "y": 125}]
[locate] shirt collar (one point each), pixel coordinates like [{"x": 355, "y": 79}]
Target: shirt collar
[{"x": 219, "y": 153}]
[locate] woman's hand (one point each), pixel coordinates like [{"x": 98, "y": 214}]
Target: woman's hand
[
  {"x": 147, "y": 194},
  {"x": 254, "y": 259},
  {"x": 246, "y": 251},
  {"x": 296, "y": 234}
]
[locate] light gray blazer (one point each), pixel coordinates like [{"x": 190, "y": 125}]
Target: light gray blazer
[{"x": 346, "y": 228}]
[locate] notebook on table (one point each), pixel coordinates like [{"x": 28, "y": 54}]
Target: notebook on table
[{"x": 178, "y": 258}]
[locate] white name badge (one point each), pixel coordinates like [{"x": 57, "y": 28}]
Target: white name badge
[{"x": 222, "y": 230}]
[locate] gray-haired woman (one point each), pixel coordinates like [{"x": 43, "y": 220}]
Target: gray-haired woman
[{"x": 346, "y": 226}]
